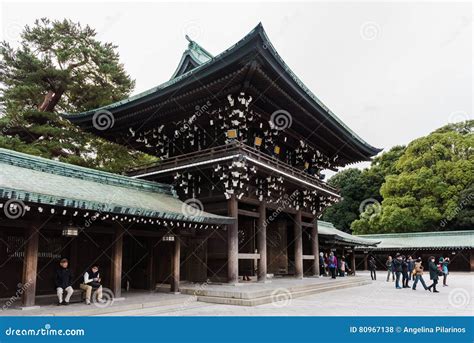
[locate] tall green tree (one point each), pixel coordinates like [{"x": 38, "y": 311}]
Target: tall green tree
[
  {"x": 60, "y": 66},
  {"x": 360, "y": 188},
  {"x": 431, "y": 189}
]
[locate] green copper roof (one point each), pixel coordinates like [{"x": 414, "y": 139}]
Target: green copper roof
[
  {"x": 193, "y": 56},
  {"x": 41, "y": 181},
  {"x": 424, "y": 240},
  {"x": 204, "y": 60},
  {"x": 328, "y": 229}
]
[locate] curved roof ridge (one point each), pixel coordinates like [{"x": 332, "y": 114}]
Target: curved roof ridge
[
  {"x": 258, "y": 30},
  {"x": 419, "y": 233}
]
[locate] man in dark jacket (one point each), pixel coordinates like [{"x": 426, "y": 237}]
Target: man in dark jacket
[
  {"x": 433, "y": 268},
  {"x": 405, "y": 272},
  {"x": 397, "y": 265},
  {"x": 372, "y": 268},
  {"x": 63, "y": 281}
]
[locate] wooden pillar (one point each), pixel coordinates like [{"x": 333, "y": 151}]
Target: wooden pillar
[
  {"x": 175, "y": 265},
  {"x": 353, "y": 262},
  {"x": 262, "y": 243},
  {"x": 315, "y": 247},
  {"x": 151, "y": 281},
  {"x": 30, "y": 266},
  {"x": 366, "y": 263},
  {"x": 116, "y": 267},
  {"x": 233, "y": 241},
  {"x": 298, "y": 246}
]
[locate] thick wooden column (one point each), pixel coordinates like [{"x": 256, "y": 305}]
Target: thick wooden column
[
  {"x": 30, "y": 266},
  {"x": 366, "y": 264},
  {"x": 298, "y": 246},
  {"x": 151, "y": 281},
  {"x": 233, "y": 241},
  {"x": 116, "y": 266},
  {"x": 262, "y": 243},
  {"x": 175, "y": 265},
  {"x": 353, "y": 262},
  {"x": 315, "y": 247}
]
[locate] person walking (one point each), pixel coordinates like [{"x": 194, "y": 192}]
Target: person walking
[
  {"x": 411, "y": 266},
  {"x": 372, "y": 268},
  {"x": 444, "y": 269},
  {"x": 433, "y": 268},
  {"x": 389, "y": 265},
  {"x": 332, "y": 263},
  {"x": 418, "y": 273},
  {"x": 397, "y": 266},
  {"x": 322, "y": 269},
  {"x": 405, "y": 276}
]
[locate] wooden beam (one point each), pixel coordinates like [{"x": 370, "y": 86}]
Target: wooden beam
[
  {"x": 315, "y": 248},
  {"x": 262, "y": 242},
  {"x": 243, "y": 256},
  {"x": 175, "y": 265},
  {"x": 308, "y": 257},
  {"x": 151, "y": 282},
  {"x": 30, "y": 265},
  {"x": 248, "y": 213},
  {"x": 116, "y": 267},
  {"x": 233, "y": 241},
  {"x": 298, "y": 246}
]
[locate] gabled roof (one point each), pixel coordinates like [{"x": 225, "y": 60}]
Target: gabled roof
[
  {"x": 193, "y": 56},
  {"x": 192, "y": 68},
  {"x": 40, "y": 181},
  {"x": 327, "y": 229},
  {"x": 423, "y": 240}
]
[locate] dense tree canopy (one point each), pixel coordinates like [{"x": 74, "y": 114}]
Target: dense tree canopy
[
  {"x": 60, "y": 66},
  {"x": 360, "y": 188},
  {"x": 430, "y": 185}
]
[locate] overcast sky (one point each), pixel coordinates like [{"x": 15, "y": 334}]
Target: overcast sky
[{"x": 391, "y": 71}]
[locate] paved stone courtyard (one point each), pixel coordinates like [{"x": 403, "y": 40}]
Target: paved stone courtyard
[{"x": 377, "y": 299}]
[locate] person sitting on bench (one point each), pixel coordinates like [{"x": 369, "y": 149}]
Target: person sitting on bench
[
  {"x": 92, "y": 281},
  {"x": 63, "y": 282}
]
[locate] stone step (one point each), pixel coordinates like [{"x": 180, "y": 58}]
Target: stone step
[
  {"x": 243, "y": 292},
  {"x": 293, "y": 293}
]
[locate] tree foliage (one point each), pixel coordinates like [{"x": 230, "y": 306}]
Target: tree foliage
[
  {"x": 60, "y": 66},
  {"x": 430, "y": 187}
]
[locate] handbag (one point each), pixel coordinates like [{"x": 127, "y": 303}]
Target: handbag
[{"x": 94, "y": 284}]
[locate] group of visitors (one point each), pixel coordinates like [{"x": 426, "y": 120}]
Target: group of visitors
[
  {"x": 330, "y": 265},
  {"x": 64, "y": 281},
  {"x": 407, "y": 268}
]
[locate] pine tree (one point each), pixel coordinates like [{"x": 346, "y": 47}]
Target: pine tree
[{"x": 60, "y": 66}]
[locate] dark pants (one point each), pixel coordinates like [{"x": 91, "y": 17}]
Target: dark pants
[
  {"x": 388, "y": 275},
  {"x": 433, "y": 285},
  {"x": 419, "y": 278},
  {"x": 445, "y": 276},
  {"x": 397, "y": 279},
  {"x": 333, "y": 272},
  {"x": 321, "y": 269},
  {"x": 373, "y": 274},
  {"x": 405, "y": 279}
]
